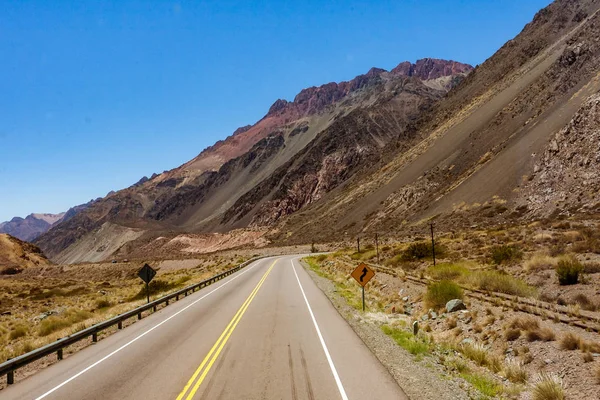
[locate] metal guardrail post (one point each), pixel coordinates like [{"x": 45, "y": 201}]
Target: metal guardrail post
[
  {"x": 10, "y": 377},
  {"x": 120, "y": 325},
  {"x": 59, "y": 354}
]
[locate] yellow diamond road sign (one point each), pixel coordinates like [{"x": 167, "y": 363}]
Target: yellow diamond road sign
[{"x": 363, "y": 274}]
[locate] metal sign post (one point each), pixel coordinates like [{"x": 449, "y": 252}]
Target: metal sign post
[
  {"x": 363, "y": 274},
  {"x": 146, "y": 274}
]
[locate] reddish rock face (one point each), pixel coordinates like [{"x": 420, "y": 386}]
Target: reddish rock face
[
  {"x": 431, "y": 68},
  {"x": 315, "y": 99}
]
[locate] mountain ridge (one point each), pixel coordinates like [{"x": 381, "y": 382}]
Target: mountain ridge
[{"x": 191, "y": 196}]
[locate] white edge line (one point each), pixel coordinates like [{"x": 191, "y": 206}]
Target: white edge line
[
  {"x": 329, "y": 360},
  {"x": 140, "y": 336}
]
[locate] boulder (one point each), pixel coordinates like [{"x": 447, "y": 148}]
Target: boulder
[{"x": 455, "y": 305}]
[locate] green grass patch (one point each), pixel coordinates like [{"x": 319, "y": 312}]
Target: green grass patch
[
  {"x": 568, "y": 270},
  {"x": 496, "y": 281},
  {"x": 448, "y": 271},
  {"x": 364, "y": 255},
  {"x": 505, "y": 254},
  {"x": 415, "y": 345},
  {"x": 483, "y": 384},
  {"x": 439, "y": 293}
]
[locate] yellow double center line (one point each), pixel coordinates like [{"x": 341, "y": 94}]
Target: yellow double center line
[{"x": 214, "y": 352}]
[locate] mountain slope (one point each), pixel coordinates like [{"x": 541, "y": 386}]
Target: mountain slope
[
  {"x": 15, "y": 255},
  {"x": 481, "y": 142},
  {"x": 195, "y": 196}
]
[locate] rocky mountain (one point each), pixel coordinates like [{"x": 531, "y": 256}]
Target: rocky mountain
[
  {"x": 359, "y": 118},
  {"x": 507, "y": 143},
  {"x": 16, "y": 255},
  {"x": 34, "y": 225},
  {"x": 30, "y": 227},
  {"x": 385, "y": 152}
]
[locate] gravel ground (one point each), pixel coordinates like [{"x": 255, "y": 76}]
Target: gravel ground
[{"x": 419, "y": 379}]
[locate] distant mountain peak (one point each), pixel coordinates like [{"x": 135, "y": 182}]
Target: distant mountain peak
[{"x": 431, "y": 68}]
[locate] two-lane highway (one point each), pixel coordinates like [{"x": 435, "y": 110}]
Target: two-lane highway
[{"x": 266, "y": 332}]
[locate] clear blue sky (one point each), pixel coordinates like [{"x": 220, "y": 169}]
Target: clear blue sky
[{"x": 96, "y": 94}]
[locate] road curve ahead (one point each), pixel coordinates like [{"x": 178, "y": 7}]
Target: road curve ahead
[{"x": 266, "y": 332}]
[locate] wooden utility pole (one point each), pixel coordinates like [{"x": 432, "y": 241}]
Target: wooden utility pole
[
  {"x": 432, "y": 243},
  {"x": 377, "y": 246}
]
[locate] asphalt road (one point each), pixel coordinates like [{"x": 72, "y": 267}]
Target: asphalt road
[{"x": 266, "y": 332}]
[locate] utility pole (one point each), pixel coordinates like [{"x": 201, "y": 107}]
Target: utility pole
[
  {"x": 432, "y": 243},
  {"x": 377, "y": 247}
]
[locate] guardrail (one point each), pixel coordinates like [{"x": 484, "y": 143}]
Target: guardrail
[{"x": 9, "y": 367}]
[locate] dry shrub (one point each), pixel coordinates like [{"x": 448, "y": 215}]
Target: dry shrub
[
  {"x": 18, "y": 331},
  {"x": 547, "y": 334},
  {"x": 585, "y": 302},
  {"x": 540, "y": 262},
  {"x": 489, "y": 320},
  {"x": 591, "y": 267},
  {"x": 570, "y": 342},
  {"x": 56, "y": 323},
  {"x": 524, "y": 323},
  {"x": 568, "y": 270},
  {"x": 548, "y": 387},
  {"x": 451, "y": 323},
  {"x": 533, "y": 336},
  {"x": 593, "y": 347},
  {"x": 103, "y": 303},
  {"x": 527, "y": 358},
  {"x": 512, "y": 334},
  {"x": 588, "y": 357},
  {"x": 597, "y": 373},
  {"x": 514, "y": 372},
  {"x": 480, "y": 355}
]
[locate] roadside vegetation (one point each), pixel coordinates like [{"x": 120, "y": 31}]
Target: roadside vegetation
[{"x": 497, "y": 346}]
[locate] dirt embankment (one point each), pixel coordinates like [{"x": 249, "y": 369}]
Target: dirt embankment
[{"x": 16, "y": 255}]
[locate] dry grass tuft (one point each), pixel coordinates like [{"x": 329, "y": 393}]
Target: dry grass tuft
[
  {"x": 512, "y": 334},
  {"x": 480, "y": 355},
  {"x": 451, "y": 323},
  {"x": 570, "y": 342},
  {"x": 540, "y": 262},
  {"x": 514, "y": 372},
  {"x": 588, "y": 357},
  {"x": 524, "y": 323},
  {"x": 18, "y": 331},
  {"x": 548, "y": 387}
]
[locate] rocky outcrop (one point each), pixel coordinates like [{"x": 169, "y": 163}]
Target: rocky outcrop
[
  {"x": 431, "y": 68},
  {"x": 567, "y": 178}
]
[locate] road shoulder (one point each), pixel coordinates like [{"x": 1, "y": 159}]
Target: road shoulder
[{"x": 419, "y": 379}]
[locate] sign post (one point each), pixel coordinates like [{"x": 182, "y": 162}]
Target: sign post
[
  {"x": 363, "y": 274},
  {"x": 146, "y": 274}
]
